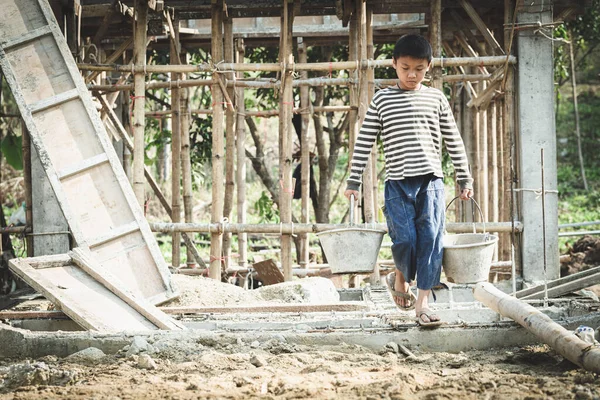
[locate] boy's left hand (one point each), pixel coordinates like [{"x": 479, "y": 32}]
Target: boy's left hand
[{"x": 466, "y": 194}]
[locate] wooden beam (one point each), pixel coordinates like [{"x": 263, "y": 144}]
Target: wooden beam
[
  {"x": 487, "y": 35},
  {"x": 435, "y": 37},
  {"x": 565, "y": 285},
  {"x": 469, "y": 34}
]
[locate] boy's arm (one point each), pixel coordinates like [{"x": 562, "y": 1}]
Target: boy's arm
[
  {"x": 455, "y": 146},
  {"x": 362, "y": 149}
]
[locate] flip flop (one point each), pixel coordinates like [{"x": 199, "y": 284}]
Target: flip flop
[
  {"x": 410, "y": 296},
  {"x": 430, "y": 324}
]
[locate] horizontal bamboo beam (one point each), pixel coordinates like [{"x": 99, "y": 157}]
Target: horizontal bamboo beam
[
  {"x": 291, "y": 229},
  {"x": 276, "y": 67},
  {"x": 255, "y": 113},
  {"x": 274, "y": 84}
]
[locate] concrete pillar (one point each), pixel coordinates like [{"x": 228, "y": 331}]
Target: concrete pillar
[
  {"x": 535, "y": 93},
  {"x": 49, "y": 224}
]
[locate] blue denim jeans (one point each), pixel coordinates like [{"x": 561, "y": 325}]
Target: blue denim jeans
[{"x": 415, "y": 214}]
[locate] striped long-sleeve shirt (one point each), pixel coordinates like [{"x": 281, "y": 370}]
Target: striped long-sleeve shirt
[{"x": 412, "y": 124}]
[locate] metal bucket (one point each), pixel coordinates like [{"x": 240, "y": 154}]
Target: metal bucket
[
  {"x": 468, "y": 256},
  {"x": 351, "y": 250}
]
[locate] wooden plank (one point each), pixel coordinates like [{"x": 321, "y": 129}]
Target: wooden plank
[
  {"x": 28, "y": 37},
  {"x": 564, "y": 285},
  {"x": 82, "y": 166},
  {"x": 268, "y": 272},
  {"x": 83, "y": 258},
  {"x": 82, "y": 298},
  {"x": 65, "y": 135}
]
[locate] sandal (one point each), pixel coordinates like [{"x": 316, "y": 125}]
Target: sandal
[
  {"x": 409, "y": 296},
  {"x": 429, "y": 314}
]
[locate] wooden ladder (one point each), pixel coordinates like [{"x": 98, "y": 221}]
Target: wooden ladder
[{"x": 75, "y": 150}]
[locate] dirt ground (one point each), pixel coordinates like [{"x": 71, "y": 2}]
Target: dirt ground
[{"x": 278, "y": 370}]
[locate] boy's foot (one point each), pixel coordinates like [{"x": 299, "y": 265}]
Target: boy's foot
[
  {"x": 404, "y": 298},
  {"x": 428, "y": 319}
]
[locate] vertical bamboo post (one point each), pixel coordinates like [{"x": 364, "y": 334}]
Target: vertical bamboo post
[
  {"x": 476, "y": 157},
  {"x": 217, "y": 139},
  {"x": 241, "y": 160},
  {"x": 186, "y": 162},
  {"x": 370, "y": 93},
  {"x": 435, "y": 37},
  {"x": 483, "y": 166},
  {"x": 229, "y": 142},
  {"x": 286, "y": 105},
  {"x": 353, "y": 97},
  {"x": 507, "y": 135},
  {"x": 175, "y": 150},
  {"x": 363, "y": 95},
  {"x": 304, "y": 156},
  {"x": 493, "y": 167},
  {"x": 139, "y": 81}
]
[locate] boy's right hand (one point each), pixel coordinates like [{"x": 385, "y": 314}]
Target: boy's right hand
[{"x": 349, "y": 193}]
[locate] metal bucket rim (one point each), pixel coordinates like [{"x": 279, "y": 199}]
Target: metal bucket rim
[
  {"x": 492, "y": 239},
  {"x": 352, "y": 230}
]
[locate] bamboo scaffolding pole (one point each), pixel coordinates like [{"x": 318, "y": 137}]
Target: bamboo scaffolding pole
[
  {"x": 509, "y": 125},
  {"x": 175, "y": 153},
  {"x": 435, "y": 37},
  {"x": 484, "y": 164},
  {"x": 487, "y": 34},
  {"x": 139, "y": 77},
  {"x": 304, "y": 157},
  {"x": 493, "y": 146},
  {"x": 568, "y": 345},
  {"x": 229, "y": 141},
  {"x": 370, "y": 94},
  {"x": 286, "y": 100},
  {"x": 293, "y": 229},
  {"x": 26, "y": 146},
  {"x": 241, "y": 160},
  {"x": 353, "y": 95},
  {"x": 216, "y": 238},
  {"x": 272, "y": 84},
  {"x": 255, "y": 113},
  {"x": 363, "y": 98},
  {"x": 476, "y": 160},
  {"x": 276, "y": 67},
  {"x": 186, "y": 161}
]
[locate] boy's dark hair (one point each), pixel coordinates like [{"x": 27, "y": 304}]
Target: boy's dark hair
[{"x": 415, "y": 46}]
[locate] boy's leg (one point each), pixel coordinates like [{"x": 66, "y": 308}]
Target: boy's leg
[
  {"x": 430, "y": 209},
  {"x": 400, "y": 215}
]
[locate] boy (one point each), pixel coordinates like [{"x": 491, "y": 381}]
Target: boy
[{"x": 412, "y": 119}]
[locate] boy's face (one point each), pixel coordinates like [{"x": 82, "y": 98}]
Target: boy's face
[{"x": 411, "y": 71}]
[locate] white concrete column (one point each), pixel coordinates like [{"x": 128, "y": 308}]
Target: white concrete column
[{"x": 536, "y": 130}]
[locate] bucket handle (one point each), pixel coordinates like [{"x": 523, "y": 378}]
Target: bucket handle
[{"x": 479, "y": 208}]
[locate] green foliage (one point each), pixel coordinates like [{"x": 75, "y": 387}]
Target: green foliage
[
  {"x": 266, "y": 210},
  {"x": 11, "y": 147}
]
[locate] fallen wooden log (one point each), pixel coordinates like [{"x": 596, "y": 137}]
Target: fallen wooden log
[{"x": 568, "y": 345}]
